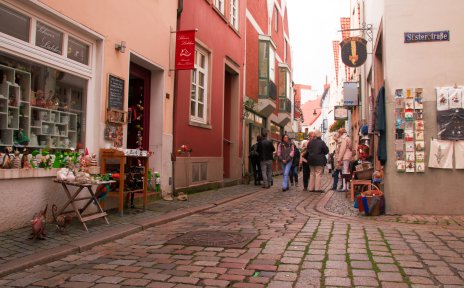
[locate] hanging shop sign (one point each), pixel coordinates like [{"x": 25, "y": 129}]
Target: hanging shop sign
[
  {"x": 414, "y": 37},
  {"x": 350, "y": 94},
  {"x": 185, "y": 50},
  {"x": 340, "y": 113},
  {"x": 354, "y": 51}
]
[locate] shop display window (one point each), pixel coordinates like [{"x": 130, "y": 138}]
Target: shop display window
[
  {"x": 14, "y": 23},
  {"x": 40, "y": 106}
]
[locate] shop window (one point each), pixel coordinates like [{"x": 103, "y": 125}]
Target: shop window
[
  {"x": 14, "y": 23},
  {"x": 78, "y": 51},
  {"x": 219, "y": 4},
  {"x": 40, "y": 106},
  {"x": 282, "y": 82},
  {"x": 199, "y": 92},
  {"x": 234, "y": 13},
  {"x": 199, "y": 171},
  {"x": 49, "y": 38}
]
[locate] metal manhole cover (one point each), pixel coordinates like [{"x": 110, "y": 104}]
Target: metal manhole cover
[{"x": 222, "y": 239}]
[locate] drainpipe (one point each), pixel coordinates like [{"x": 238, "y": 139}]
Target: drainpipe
[{"x": 180, "y": 8}]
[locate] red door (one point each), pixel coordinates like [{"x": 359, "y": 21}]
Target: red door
[{"x": 138, "y": 128}]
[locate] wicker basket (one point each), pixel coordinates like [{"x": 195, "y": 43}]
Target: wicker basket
[{"x": 364, "y": 174}]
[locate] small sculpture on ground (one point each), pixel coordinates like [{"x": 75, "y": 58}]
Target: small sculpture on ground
[
  {"x": 38, "y": 225},
  {"x": 62, "y": 221}
]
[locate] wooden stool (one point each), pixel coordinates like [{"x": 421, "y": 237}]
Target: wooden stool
[{"x": 355, "y": 183}]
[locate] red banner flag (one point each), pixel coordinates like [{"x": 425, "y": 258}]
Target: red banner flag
[{"x": 185, "y": 50}]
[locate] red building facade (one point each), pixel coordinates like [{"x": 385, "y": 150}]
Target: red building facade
[
  {"x": 268, "y": 92},
  {"x": 209, "y": 99}
]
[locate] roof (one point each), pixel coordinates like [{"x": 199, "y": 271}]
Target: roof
[{"x": 308, "y": 110}]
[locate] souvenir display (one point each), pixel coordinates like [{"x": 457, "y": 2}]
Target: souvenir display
[
  {"x": 450, "y": 113},
  {"x": 409, "y": 134},
  {"x": 441, "y": 154},
  {"x": 459, "y": 154}
]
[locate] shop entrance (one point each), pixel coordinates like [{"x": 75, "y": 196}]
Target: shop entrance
[{"x": 139, "y": 108}]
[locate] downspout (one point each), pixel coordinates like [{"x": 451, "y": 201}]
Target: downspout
[{"x": 180, "y": 8}]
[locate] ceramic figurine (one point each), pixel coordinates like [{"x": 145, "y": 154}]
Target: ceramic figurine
[
  {"x": 38, "y": 225},
  {"x": 62, "y": 221},
  {"x": 7, "y": 162},
  {"x": 93, "y": 160},
  {"x": 25, "y": 160},
  {"x": 16, "y": 160}
]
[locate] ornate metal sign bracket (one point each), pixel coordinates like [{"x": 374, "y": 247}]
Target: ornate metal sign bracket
[{"x": 365, "y": 28}]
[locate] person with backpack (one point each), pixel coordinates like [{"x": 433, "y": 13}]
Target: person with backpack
[
  {"x": 266, "y": 155},
  {"x": 255, "y": 162},
  {"x": 304, "y": 161},
  {"x": 294, "y": 168},
  {"x": 285, "y": 153}
]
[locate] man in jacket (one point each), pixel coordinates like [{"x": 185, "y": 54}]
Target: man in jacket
[
  {"x": 295, "y": 164},
  {"x": 317, "y": 151},
  {"x": 266, "y": 155},
  {"x": 255, "y": 161}
]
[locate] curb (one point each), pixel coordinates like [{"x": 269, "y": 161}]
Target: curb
[
  {"x": 88, "y": 243},
  {"x": 320, "y": 207}
]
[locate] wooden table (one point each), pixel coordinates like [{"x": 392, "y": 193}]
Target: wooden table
[
  {"x": 72, "y": 199},
  {"x": 356, "y": 183}
]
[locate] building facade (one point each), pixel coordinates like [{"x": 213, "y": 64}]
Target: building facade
[
  {"x": 62, "y": 56},
  {"x": 268, "y": 92},
  {"x": 208, "y": 99},
  {"x": 399, "y": 65}
]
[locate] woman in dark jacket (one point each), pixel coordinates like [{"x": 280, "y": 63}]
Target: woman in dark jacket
[
  {"x": 285, "y": 153},
  {"x": 317, "y": 151},
  {"x": 295, "y": 163}
]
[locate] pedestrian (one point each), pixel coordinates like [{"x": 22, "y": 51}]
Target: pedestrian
[
  {"x": 266, "y": 155},
  {"x": 295, "y": 164},
  {"x": 304, "y": 161},
  {"x": 336, "y": 166},
  {"x": 255, "y": 161},
  {"x": 285, "y": 154},
  {"x": 345, "y": 156},
  {"x": 317, "y": 151}
]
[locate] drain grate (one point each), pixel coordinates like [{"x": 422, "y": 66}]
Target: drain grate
[{"x": 224, "y": 239}]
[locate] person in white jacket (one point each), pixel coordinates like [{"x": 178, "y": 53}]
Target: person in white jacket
[{"x": 344, "y": 155}]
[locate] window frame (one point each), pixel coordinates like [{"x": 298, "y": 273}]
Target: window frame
[
  {"x": 265, "y": 69},
  {"x": 194, "y": 82},
  {"x": 276, "y": 19},
  {"x": 219, "y": 5},
  {"x": 234, "y": 19}
]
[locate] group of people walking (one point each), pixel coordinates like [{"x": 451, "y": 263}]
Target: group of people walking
[{"x": 312, "y": 160}]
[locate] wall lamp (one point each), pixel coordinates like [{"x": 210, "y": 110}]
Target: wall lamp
[{"x": 121, "y": 47}]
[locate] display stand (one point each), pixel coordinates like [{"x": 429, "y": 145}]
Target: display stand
[{"x": 125, "y": 162}]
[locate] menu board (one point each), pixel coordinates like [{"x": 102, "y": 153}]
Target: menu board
[{"x": 115, "y": 92}]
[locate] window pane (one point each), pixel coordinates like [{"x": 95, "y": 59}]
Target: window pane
[
  {"x": 49, "y": 38},
  {"x": 193, "y": 92},
  {"x": 14, "y": 24},
  {"x": 282, "y": 82},
  {"x": 192, "y": 108},
  {"x": 201, "y": 94},
  {"x": 200, "y": 110},
  {"x": 263, "y": 88},
  {"x": 201, "y": 80},
  {"x": 203, "y": 61},
  {"x": 194, "y": 76},
  {"x": 78, "y": 51},
  {"x": 49, "y": 106},
  {"x": 263, "y": 60}
]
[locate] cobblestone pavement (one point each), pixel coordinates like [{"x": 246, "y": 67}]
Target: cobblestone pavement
[
  {"x": 296, "y": 246},
  {"x": 15, "y": 244}
]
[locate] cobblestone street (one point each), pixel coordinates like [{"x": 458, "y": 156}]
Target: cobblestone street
[{"x": 295, "y": 246}]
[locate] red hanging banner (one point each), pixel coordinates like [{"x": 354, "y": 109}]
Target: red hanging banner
[{"x": 185, "y": 50}]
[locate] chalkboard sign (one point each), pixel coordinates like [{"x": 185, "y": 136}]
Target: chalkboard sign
[{"x": 115, "y": 93}]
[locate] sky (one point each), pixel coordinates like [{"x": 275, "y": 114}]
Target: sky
[{"x": 313, "y": 25}]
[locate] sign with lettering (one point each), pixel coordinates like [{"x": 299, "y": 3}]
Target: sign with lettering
[
  {"x": 340, "y": 113},
  {"x": 350, "y": 94},
  {"x": 115, "y": 92},
  {"x": 354, "y": 51},
  {"x": 414, "y": 37},
  {"x": 49, "y": 38},
  {"x": 185, "y": 50}
]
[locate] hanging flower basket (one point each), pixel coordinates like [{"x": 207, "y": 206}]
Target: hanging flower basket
[{"x": 184, "y": 150}]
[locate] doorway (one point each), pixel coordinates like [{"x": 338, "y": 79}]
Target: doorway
[
  {"x": 226, "y": 129},
  {"x": 138, "y": 126}
]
